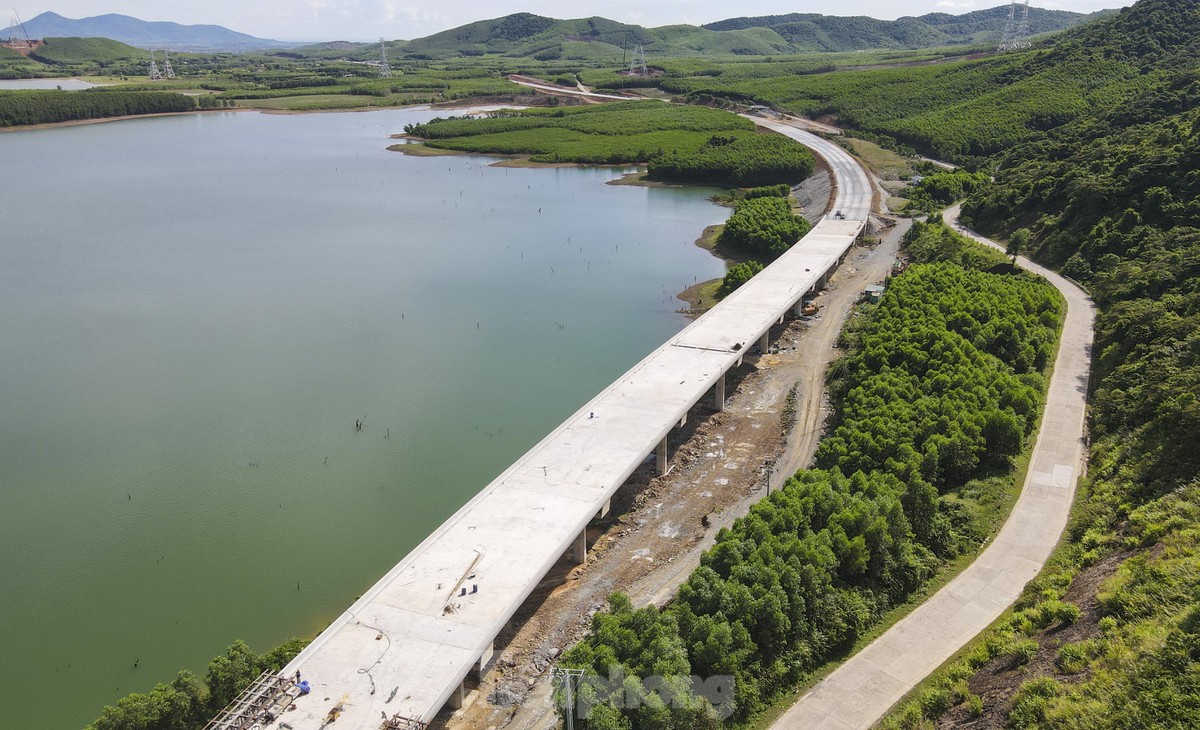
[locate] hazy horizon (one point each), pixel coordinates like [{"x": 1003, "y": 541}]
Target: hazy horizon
[{"x": 361, "y": 20}]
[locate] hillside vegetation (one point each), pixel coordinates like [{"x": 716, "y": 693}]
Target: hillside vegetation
[
  {"x": 814, "y": 32},
  {"x": 15, "y": 66},
  {"x": 962, "y": 111},
  {"x": 528, "y": 35},
  {"x": 525, "y": 34},
  {"x": 102, "y": 51},
  {"x": 1111, "y": 198}
]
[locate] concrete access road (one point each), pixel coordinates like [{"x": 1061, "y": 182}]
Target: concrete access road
[{"x": 866, "y": 686}]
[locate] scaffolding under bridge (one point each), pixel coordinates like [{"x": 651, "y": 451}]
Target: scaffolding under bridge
[{"x": 258, "y": 705}]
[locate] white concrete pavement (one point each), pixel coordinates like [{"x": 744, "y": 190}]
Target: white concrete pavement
[
  {"x": 866, "y": 686},
  {"x": 404, "y": 647},
  {"x": 562, "y": 90},
  {"x": 854, "y": 193}
]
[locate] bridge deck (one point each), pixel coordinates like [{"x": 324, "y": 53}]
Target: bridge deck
[{"x": 413, "y": 633}]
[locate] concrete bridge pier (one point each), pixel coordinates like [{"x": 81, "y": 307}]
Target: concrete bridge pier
[
  {"x": 662, "y": 456},
  {"x": 604, "y": 510},
  {"x": 484, "y": 660},
  {"x": 579, "y": 549},
  {"x": 719, "y": 388},
  {"x": 764, "y": 342},
  {"x": 458, "y": 697}
]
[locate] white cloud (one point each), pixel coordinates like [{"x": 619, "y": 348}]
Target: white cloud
[{"x": 417, "y": 15}]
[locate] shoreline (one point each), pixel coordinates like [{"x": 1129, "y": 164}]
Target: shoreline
[
  {"x": 693, "y": 296},
  {"x": 123, "y": 118},
  {"x": 481, "y": 104},
  {"x": 697, "y": 294}
]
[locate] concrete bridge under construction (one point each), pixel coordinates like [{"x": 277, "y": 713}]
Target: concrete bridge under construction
[{"x": 401, "y": 652}]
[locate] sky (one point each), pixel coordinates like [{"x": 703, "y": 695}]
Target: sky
[{"x": 406, "y": 19}]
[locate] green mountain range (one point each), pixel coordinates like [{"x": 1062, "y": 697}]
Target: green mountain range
[
  {"x": 526, "y": 35},
  {"x": 814, "y": 32}
]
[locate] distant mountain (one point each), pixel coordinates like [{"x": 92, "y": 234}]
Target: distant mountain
[
  {"x": 143, "y": 34},
  {"x": 815, "y": 32},
  {"x": 525, "y": 34},
  {"x": 528, "y": 35}
]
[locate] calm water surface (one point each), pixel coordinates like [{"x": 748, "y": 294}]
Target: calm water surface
[
  {"x": 193, "y": 313},
  {"x": 64, "y": 84}
]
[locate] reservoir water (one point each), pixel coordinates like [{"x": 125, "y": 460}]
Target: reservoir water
[
  {"x": 64, "y": 84},
  {"x": 195, "y": 311}
]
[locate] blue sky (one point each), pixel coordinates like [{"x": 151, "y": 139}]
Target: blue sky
[{"x": 394, "y": 19}]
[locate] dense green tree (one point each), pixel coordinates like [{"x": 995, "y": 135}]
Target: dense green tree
[
  {"x": 739, "y": 275},
  {"x": 680, "y": 143},
  {"x": 44, "y": 107},
  {"x": 176, "y": 706},
  {"x": 764, "y": 226},
  {"x": 1017, "y": 242},
  {"x": 188, "y": 704},
  {"x": 926, "y": 399}
]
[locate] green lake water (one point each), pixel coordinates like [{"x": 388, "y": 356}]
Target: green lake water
[{"x": 195, "y": 310}]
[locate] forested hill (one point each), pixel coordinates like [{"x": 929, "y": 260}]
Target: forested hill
[
  {"x": 1113, "y": 197},
  {"x": 968, "y": 111},
  {"x": 525, "y": 34},
  {"x": 815, "y": 32}
]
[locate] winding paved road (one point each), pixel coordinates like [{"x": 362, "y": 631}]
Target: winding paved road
[{"x": 865, "y": 687}]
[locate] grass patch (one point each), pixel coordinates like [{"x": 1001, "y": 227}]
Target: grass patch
[
  {"x": 421, "y": 150},
  {"x": 885, "y": 163}
]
